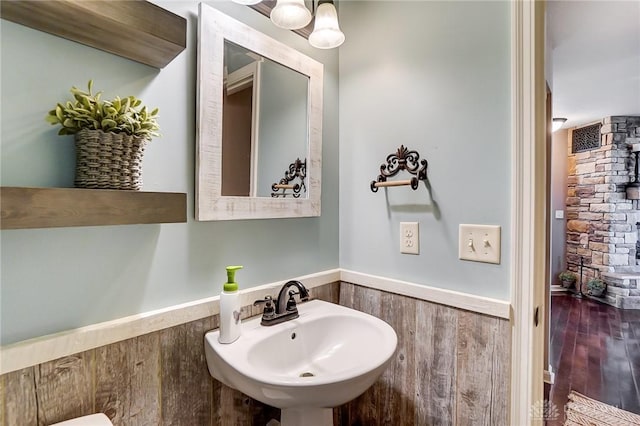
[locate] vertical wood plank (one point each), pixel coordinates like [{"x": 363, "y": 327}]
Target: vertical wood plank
[
  {"x": 247, "y": 312},
  {"x": 18, "y": 403},
  {"x": 346, "y": 294},
  {"x": 500, "y": 374},
  {"x": 398, "y": 393},
  {"x": 187, "y": 387},
  {"x": 216, "y": 386},
  {"x": 476, "y": 350},
  {"x": 365, "y": 409},
  {"x": 128, "y": 380},
  {"x": 328, "y": 292},
  {"x": 237, "y": 409},
  {"x": 335, "y": 292},
  {"x": 145, "y": 381},
  {"x": 65, "y": 388},
  {"x": 436, "y": 336},
  {"x": 112, "y": 390}
]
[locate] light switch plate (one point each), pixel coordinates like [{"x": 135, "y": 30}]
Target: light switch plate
[
  {"x": 559, "y": 214},
  {"x": 409, "y": 238},
  {"x": 479, "y": 243}
]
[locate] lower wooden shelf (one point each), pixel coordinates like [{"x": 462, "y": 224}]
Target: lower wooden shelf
[{"x": 24, "y": 208}]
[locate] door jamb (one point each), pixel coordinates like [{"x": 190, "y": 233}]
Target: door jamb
[{"x": 528, "y": 186}]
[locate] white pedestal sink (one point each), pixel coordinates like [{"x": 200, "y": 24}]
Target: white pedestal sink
[{"x": 328, "y": 356}]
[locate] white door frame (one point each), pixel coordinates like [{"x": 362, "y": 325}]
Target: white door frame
[{"x": 528, "y": 186}]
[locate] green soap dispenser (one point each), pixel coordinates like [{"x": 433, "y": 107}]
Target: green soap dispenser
[{"x": 230, "y": 326}]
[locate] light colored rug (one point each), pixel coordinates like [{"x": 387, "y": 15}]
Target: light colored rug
[{"x": 581, "y": 410}]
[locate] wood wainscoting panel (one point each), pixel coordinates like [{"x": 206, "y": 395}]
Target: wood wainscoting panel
[
  {"x": 158, "y": 378},
  {"x": 19, "y": 404},
  {"x": 451, "y": 368},
  {"x": 187, "y": 386},
  {"x": 483, "y": 374},
  {"x": 501, "y": 379},
  {"x": 64, "y": 388},
  {"x": 436, "y": 336},
  {"x": 398, "y": 407},
  {"x": 476, "y": 346},
  {"x": 364, "y": 409},
  {"x": 328, "y": 293},
  {"x": 128, "y": 381}
]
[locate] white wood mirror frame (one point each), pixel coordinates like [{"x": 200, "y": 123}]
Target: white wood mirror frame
[{"x": 214, "y": 28}]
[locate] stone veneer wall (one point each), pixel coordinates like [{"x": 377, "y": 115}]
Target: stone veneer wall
[{"x": 601, "y": 222}]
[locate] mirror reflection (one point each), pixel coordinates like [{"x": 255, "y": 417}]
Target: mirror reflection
[{"x": 265, "y": 123}]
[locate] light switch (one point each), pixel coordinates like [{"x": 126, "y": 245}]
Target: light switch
[
  {"x": 479, "y": 243},
  {"x": 559, "y": 214}
]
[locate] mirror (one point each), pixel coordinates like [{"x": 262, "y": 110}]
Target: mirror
[
  {"x": 259, "y": 133},
  {"x": 264, "y": 128}
]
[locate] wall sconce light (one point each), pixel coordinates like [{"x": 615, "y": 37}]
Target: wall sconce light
[
  {"x": 558, "y": 123},
  {"x": 290, "y": 14},
  {"x": 293, "y": 15}
]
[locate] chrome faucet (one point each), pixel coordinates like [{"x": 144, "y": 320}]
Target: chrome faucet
[{"x": 285, "y": 308}]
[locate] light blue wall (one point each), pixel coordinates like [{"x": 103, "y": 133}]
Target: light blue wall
[
  {"x": 431, "y": 75},
  {"x": 434, "y": 76},
  {"x": 58, "y": 279}
]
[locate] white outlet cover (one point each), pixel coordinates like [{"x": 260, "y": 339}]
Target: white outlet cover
[
  {"x": 479, "y": 243},
  {"x": 409, "y": 238}
]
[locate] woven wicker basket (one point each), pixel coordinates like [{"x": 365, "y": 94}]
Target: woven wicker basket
[{"x": 108, "y": 160}]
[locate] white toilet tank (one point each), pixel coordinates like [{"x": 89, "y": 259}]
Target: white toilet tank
[{"x": 92, "y": 420}]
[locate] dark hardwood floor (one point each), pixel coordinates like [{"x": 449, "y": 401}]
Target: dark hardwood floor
[{"x": 594, "y": 350}]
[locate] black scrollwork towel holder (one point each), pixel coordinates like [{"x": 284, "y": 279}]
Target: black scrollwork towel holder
[
  {"x": 297, "y": 169},
  {"x": 402, "y": 159}
]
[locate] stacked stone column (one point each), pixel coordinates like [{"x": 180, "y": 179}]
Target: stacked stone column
[{"x": 601, "y": 222}]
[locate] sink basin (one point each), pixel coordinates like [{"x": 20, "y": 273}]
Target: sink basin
[{"x": 328, "y": 356}]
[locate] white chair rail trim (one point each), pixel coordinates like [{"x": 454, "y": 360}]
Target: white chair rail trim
[{"x": 47, "y": 348}]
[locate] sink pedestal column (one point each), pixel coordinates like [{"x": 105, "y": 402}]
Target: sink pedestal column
[{"x": 306, "y": 417}]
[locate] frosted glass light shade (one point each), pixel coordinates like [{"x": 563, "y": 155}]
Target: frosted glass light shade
[
  {"x": 290, "y": 14},
  {"x": 247, "y": 2},
  {"x": 326, "y": 31}
]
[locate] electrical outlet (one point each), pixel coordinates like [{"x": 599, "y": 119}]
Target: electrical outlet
[
  {"x": 479, "y": 243},
  {"x": 409, "y": 238}
]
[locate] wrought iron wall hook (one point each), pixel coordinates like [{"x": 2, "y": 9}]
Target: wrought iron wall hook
[
  {"x": 297, "y": 169},
  {"x": 402, "y": 159}
]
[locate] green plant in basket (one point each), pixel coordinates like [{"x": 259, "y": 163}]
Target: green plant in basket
[
  {"x": 568, "y": 278},
  {"x": 596, "y": 287},
  {"x": 119, "y": 115},
  {"x": 110, "y": 137}
]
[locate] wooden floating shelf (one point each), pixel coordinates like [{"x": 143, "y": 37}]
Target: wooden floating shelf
[
  {"x": 24, "y": 208},
  {"x": 136, "y": 30}
]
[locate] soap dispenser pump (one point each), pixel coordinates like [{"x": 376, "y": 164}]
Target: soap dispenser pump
[{"x": 230, "y": 308}]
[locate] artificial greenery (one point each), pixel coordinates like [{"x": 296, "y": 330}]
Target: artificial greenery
[
  {"x": 88, "y": 111},
  {"x": 567, "y": 276}
]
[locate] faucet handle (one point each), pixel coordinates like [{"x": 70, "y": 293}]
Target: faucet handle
[
  {"x": 291, "y": 303},
  {"x": 269, "y": 309}
]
